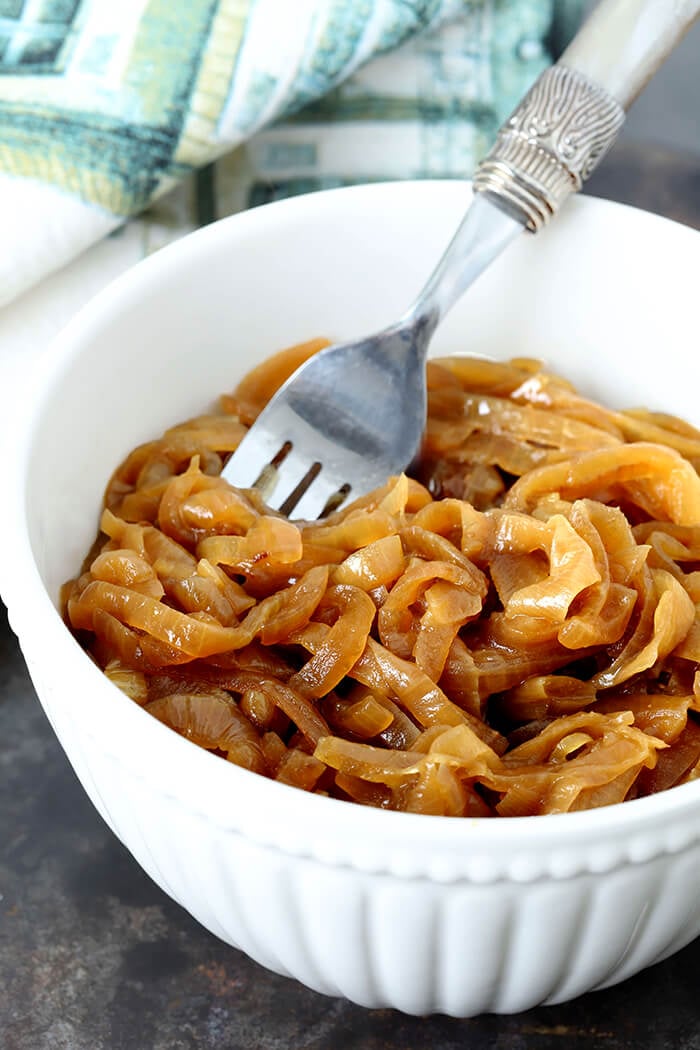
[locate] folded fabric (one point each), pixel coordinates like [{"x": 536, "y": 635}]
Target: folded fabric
[{"x": 105, "y": 106}]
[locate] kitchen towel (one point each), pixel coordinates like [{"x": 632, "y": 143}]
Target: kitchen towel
[{"x": 106, "y": 106}]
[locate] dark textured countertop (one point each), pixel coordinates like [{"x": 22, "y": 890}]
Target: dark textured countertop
[{"x": 93, "y": 956}]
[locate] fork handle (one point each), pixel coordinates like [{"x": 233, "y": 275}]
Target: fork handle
[
  {"x": 574, "y": 111},
  {"x": 624, "y": 42}
]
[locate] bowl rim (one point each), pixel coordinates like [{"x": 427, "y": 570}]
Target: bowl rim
[{"x": 519, "y": 848}]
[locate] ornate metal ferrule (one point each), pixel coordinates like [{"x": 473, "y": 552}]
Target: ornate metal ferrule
[{"x": 550, "y": 145}]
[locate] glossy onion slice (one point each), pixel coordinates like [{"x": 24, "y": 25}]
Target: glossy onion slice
[{"x": 515, "y": 630}]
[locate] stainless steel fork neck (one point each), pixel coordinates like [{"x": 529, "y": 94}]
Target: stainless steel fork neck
[
  {"x": 482, "y": 235},
  {"x": 544, "y": 152},
  {"x": 549, "y": 145}
]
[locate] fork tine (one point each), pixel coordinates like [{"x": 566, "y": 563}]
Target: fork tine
[
  {"x": 257, "y": 449},
  {"x": 313, "y": 502},
  {"x": 290, "y": 473}
]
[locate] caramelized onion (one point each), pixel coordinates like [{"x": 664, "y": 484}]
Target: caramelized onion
[{"x": 513, "y": 631}]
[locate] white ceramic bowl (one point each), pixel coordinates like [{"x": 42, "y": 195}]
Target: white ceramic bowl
[{"x": 389, "y": 909}]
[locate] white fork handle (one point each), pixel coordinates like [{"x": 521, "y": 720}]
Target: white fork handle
[
  {"x": 574, "y": 111},
  {"x": 624, "y": 42},
  {"x": 556, "y": 136}
]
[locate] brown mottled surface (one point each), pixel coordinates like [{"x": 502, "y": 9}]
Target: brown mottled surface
[{"x": 93, "y": 956}]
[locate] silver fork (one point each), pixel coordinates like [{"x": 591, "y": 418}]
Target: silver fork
[{"x": 354, "y": 414}]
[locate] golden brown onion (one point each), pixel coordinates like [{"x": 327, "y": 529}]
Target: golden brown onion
[{"x": 530, "y": 643}]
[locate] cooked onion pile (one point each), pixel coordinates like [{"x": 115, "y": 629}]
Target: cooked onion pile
[{"x": 514, "y": 631}]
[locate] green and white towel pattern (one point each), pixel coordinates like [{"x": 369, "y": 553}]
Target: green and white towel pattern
[{"x": 105, "y": 106}]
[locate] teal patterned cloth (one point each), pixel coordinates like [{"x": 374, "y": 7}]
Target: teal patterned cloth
[{"x": 106, "y": 104}]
